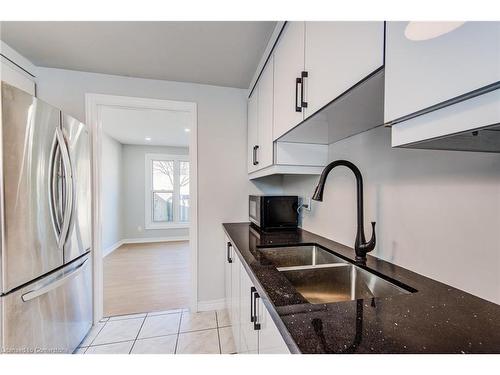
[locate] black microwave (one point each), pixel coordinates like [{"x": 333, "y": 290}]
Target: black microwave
[{"x": 274, "y": 212}]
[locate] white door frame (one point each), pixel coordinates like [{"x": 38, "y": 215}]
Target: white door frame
[{"x": 93, "y": 106}]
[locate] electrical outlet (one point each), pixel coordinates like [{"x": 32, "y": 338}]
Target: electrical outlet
[
  {"x": 307, "y": 201},
  {"x": 139, "y": 228}
]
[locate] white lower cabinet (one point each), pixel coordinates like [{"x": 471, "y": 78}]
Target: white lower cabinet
[
  {"x": 270, "y": 340},
  {"x": 234, "y": 297},
  {"x": 254, "y": 331}
]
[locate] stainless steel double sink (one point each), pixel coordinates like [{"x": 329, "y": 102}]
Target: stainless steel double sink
[{"x": 322, "y": 277}]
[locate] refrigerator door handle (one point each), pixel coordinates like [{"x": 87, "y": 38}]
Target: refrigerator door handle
[
  {"x": 68, "y": 204},
  {"x": 32, "y": 294},
  {"x": 53, "y": 186}
]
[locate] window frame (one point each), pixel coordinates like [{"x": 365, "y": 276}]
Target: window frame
[{"x": 148, "y": 208}]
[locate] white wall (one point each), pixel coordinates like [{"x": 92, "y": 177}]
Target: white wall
[
  {"x": 437, "y": 212},
  {"x": 223, "y": 185},
  {"x": 134, "y": 177},
  {"x": 112, "y": 193}
]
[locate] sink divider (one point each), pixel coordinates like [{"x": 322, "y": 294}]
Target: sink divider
[{"x": 313, "y": 266}]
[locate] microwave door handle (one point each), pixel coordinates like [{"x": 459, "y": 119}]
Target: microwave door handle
[
  {"x": 32, "y": 294},
  {"x": 68, "y": 179}
]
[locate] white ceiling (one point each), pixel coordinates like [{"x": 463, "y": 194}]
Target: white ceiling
[
  {"x": 132, "y": 126},
  {"x": 216, "y": 53}
]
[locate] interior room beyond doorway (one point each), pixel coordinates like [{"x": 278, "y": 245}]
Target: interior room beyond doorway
[{"x": 146, "y": 206}]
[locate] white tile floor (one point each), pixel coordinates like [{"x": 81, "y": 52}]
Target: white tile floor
[{"x": 164, "y": 332}]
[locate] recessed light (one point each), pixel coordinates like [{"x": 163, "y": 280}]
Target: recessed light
[
  {"x": 148, "y": 139},
  {"x": 187, "y": 130},
  {"x": 424, "y": 30}
]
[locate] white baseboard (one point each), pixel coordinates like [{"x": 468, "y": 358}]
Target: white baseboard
[
  {"x": 216, "y": 304},
  {"x": 117, "y": 244},
  {"x": 155, "y": 239},
  {"x": 112, "y": 248}
]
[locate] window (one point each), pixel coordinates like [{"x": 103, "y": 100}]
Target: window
[{"x": 167, "y": 191}]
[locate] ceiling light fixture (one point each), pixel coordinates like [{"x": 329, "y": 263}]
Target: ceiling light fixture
[
  {"x": 187, "y": 130},
  {"x": 425, "y": 30},
  {"x": 148, "y": 139}
]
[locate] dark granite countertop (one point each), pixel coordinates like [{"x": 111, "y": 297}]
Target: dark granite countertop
[{"x": 437, "y": 318}]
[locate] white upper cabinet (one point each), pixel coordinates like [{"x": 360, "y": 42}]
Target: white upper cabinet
[
  {"x": 265, "y": 117},
  {"x": 253, "y": 130},
  {"x": 288, "y": 66},
  {"x": 313, "y": 63},
  {"x": 14, "y": 76},
  {"x": 260, "y": 122},
  {"x": 16, "y": 70},
  {"x": 337, "y": 56},
  {"x": 422, "y": 73}
]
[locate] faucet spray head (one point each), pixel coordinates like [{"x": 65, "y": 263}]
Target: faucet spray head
[{"x": 318, "y": 193}]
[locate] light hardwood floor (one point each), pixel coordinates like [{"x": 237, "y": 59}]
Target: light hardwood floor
[{"x": 146, "y": 277}]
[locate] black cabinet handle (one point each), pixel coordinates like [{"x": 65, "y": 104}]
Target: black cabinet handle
[
  {"x": 252, "y": 291},
  {"x": 256, "y": 324},
  {"x": 303, "y": 75},
  {"x": 229, "y": 260},
  {"x": 255, "y": 161},
  {"x": 298, "y": 81}
]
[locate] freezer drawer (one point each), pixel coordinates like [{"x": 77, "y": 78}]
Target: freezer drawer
[{"x": 51, "y": 315}]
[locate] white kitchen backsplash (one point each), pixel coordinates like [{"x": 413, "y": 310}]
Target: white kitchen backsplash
[{"x": 437, "y": 212}]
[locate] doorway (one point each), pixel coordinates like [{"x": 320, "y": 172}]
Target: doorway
[{"x": 145, "y": 204}]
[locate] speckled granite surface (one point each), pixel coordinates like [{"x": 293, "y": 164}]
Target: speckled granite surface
[{"x": 437, "y": 318}]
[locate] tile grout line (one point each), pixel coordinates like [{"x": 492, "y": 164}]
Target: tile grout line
[
  {"x": 218, "y": 334},
  {"x": 136, "y": 336},
  {"x": 168, "y": 312},
  {"x": 147, "y": 315},
  {"x": 198, "y": 330},
  {"x": 121, "y": 320},
  {"x": 110, "y": 343},
  {"x": 98, "y": 333},
  {"x": 108, "y": 319},
  {"x": 113, "y": 342},
  {"x": 171, "y": 334},
  {"x": 178, "y": 333}
]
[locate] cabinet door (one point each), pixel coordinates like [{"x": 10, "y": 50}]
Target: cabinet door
[
  {"x": 253, "y": 129},
  {"x": 227, "y": 275},
  {"x": 249, "y": 336},
  {"x": 14, "y": 76},
  {"x": 235, "y": 302},
  {"x": 422, "y": 73},
  {"x": 337, "y": 56},
  {"x": 288, "y": 66},
  {"x": 270, "y": 339},
  {"x": 265, "y": 116}
]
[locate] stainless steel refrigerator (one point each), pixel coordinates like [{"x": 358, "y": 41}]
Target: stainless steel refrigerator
[{"x": 45, "y": 190}]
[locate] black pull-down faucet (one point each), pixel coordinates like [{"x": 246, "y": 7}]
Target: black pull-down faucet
[{"x": 361, "y": 247}]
